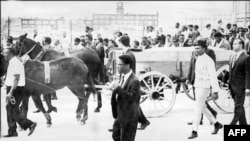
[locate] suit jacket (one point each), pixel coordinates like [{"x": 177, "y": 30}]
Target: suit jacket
[
  {"x": 125, "y": 101},
  {"x": 191, "y": 72},
  {"x": 163, "y": 39},
  {"x": 239, "y": 74},
  {"x": 130, "y": 53}
]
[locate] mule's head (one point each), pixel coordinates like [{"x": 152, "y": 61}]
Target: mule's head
[{"x": 25, "y": 45}]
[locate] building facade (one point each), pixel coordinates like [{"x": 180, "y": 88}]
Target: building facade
[
  {"x": 242, "y": 12},
  {"x": 133, "y": 24}
]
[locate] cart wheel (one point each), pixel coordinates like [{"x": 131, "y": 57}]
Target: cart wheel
[
  {"x": 158, "y": 94},
  {"x": 189, "y": 91},
  {"x": 225, "y": 101}
]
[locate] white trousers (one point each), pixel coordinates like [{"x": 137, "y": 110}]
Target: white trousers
[{"x": 200, "y": 107}]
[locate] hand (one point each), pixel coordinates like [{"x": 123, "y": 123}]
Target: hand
[
  {"x": 247, "y": 91},
  {"x": 113, "y": 85},
  {"x": 215, "y": 95},
  {"x": 10, "y": 98}
]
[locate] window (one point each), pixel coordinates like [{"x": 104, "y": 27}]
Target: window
[
  {"x": 38, "y": 22},
  {"x": 31, "y": 22},
  {"x": 25, "y": 22}
]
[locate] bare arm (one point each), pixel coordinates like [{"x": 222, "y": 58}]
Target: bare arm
[{"x": 15, "y": 82}]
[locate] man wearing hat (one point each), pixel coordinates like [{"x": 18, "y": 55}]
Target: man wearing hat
[
  {"x": 10, "y": 42},
  {"x": 205, "y": 81},
  {"x": 220, "y": 42}
]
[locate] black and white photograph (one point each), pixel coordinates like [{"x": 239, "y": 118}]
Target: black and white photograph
[{"x": 124, "y": 70}]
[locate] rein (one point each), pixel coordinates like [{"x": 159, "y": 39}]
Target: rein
[
  {"x": 41, "y": 84},
  {"x": 37, "y": 57}
]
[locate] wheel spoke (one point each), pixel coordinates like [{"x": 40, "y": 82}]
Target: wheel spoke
[
  {"x": 161, "y": 105},
  {"x": 146, "y": 84},
  {"x": 152, "y": 82},
  {"x": 156, "y": 110},
  {"x": 167, "y": 83},
  {"x": 158, "y": 83}
]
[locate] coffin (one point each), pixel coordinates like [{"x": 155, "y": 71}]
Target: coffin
[{"x": 174, "y": 61}]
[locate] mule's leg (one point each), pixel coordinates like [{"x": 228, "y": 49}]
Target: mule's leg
[
  {"x": 99, "y": 101},
  {"x": 85, "y": 107},
  {"x": 38, "y": 101},
  {"x": 79, "y": 91},
  {"x": 47, "y": 99}
]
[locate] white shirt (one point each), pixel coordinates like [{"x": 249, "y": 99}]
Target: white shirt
[
  {"x": 205, "y": 73},
  {"x": 126, "y": 76},
  {"x": 15, "y": 67}
]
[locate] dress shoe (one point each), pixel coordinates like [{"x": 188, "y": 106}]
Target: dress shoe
[
  {"x": 32, "y": 128},
  {"x": 191, "y": 123},
  {"x": 11, "y": 135},
  {"x": 110, "y": 130},
  {"x": 143, "y": 126},
  {"x": 37, "y": 111},
  {"x": 193, "y": 135},
  {"x": 217, "y": 127}
]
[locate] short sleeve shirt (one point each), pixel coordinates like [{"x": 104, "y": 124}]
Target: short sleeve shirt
[{"x": 15, "y": 67}]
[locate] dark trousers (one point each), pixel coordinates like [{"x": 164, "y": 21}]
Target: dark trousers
[
  {"x": 13, "y": 113},
  {"x": 125, "y": 131},
  {"x": 239, "y": 110},
  {"x": 142, "y": 119}
]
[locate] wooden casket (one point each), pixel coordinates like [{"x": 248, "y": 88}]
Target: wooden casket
[{"x": 168, "y": 61}]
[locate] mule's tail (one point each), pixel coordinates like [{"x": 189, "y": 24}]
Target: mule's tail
[{"x": 91, "y": 83}]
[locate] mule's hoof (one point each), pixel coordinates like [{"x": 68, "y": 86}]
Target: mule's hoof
[
  {"x": 83, "y": 122},
  {"x": 97, "y": 110},
  {"x": 49, "y": 125}
]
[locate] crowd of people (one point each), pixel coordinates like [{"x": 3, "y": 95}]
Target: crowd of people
[{"x": 126, "y": 93}]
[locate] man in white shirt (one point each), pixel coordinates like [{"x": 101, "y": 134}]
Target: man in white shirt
[
  {"x": 15, "y": 81},
  {"x": 205, "y": 79}
]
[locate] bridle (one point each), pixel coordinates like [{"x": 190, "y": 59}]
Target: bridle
[{"x": 37, "y": 57}]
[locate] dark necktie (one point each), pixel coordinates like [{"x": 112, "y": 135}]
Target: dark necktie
[
  {"x": 122, "y": 80},
  {"x": 234, "y": 60}
]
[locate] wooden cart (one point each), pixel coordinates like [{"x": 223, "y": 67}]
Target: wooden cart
[{"x": 154, "y": 66}]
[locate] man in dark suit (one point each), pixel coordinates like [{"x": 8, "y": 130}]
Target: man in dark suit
[
  {"x": 125, "y": 101},
  {"x": 125, "y": 41},
  {"x": 191, "y": 75},
  {"x": 239, "y": 80}
]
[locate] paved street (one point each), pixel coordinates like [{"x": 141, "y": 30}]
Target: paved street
[{"x": 172, "y": 127}]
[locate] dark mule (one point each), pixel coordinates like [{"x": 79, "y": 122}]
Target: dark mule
[
  {"x": 87, "y": 55},
  {"x": 69, "y": 71},
  {"x": 3, "y": 68}
]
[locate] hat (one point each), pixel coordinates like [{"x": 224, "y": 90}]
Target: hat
[
  {"x": 217, "y": 34},
  {"x": 201, "y": 42}
]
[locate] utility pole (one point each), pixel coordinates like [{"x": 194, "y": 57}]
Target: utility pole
[
  {"x": 70, "y": 31},
  {"x": 8, "y": 26},
  {"x": 245, "y": 22}
]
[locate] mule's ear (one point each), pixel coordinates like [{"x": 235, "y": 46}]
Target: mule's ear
[{"x": 25, "y": 35}]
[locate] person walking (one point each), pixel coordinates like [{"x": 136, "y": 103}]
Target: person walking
[
  {"x": 125, "y": 101},
  {"x": 15, "y": 81},
  {"x": 205, "y": 79},
  {"x": 239, "y": 80}
]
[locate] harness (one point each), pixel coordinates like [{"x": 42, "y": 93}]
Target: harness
[{"x": 37, "y": 57}]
